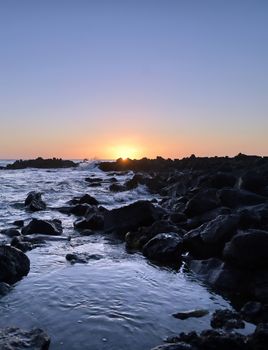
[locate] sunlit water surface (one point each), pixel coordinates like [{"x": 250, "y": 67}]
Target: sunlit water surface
[{"x": 120, "y": 301}]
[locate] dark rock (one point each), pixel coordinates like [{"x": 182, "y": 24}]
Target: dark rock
[
  {"x": 164, "y": 248},
  {"x": 18, "y": 243},
  {"x": 93, "y": 179},
  {"x": 134, "y": 182},
  {"x": 41, "y": 163},
  {"x": 14, "y": 264},
  {"x": 234, "y": 198},
  {"x": 81, "y": 209},
  {"x": 82, "y": 258},
  {"x": 226, "y": 319},
  {"x": 209, "y": 340},
  {"x": 130, "y": 217},
  {"x": 115, "y": 187},
  {"x": 183, "y": 315},
  {"x": 253, "y": 181},
  {"x": 219, "y": 180},
  {"x": 10, "y": 232},
  {"x": 176, "y": 346},
  {"x": 18, "y": 339},
  {"x": 220, "y": 276},
  {"x": 85, "y": 199},
  {"x": 254, "y": 311},
  {"x": 18, "y": 223},
  {"x": 34, "y": 201},
  {"x": 177, "y": 217},
  {"x": 47, "y": 227},
  {"x": 248, "y": 249},
  {"x": 137, "y": 239},
  {"x": 208, "y": 240},
  {"x": 92, "y": 222},
  {"x": 202, "y": 202},
  {"x": 4, "y": 289},
  {"x": 259, "y": 339}
]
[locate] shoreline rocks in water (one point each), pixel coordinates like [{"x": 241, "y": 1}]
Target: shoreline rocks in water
[
  {"x": 12, "y": 338},
  {"x": 14, "y": 264},
  {"x": 40, "y": 163}
]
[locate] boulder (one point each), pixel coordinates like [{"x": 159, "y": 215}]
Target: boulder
[
  {"x": 233, "y": 198},
  {"x": 81, "y": 209},
  {"x": 183, "y": 315},
  {"x": 18, "y": 339},
  {"x": 4, "y": 289},
  {"x": 82, "y": 258},
  {"x": 131, "y": 217},
  {"x": 253, "y": 181},
  {"x": 20, "y": 244},
  {"x": 208, "y": 240},
  {"x": 10, "y": 232},
  {"x": 226, "y": 319},
  {"x": 92, "y": 222},
  {"x": 164, "y": 248},
  {"x": 47, "y": 227},
  {"x": 201, "y": 202},
  {"x": 14, "y": 264},
  {"x": 248, "y": 249},
  {"x": 137, "y": 239},
  {"x": 259, "y": 339},
  {"x": 34, "y": 201},
  {"x": 221, "y": 276},
  {"x": 85, "y": 199},
  {"x": 115, "y": 187}
]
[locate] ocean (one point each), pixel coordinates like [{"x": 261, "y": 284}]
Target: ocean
[{"x": 121, "y": 301}]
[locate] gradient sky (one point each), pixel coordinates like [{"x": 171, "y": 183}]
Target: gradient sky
[{"x": 133, "y": 78}]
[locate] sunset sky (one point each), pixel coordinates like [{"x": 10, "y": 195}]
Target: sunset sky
[{"x": 96, "y": 78}]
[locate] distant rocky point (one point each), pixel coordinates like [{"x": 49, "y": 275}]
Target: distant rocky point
[
  {"x": 41, "y": 163},
  {"x": 194, "y": 163}
]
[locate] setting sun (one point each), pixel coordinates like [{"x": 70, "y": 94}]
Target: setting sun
[{"x": 125, "y": 151}]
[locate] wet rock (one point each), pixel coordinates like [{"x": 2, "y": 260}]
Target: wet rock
[
  {"x": 19, "y": 243},
  {"x": 18, "y": 339},
  {"x": 208, "y": 240},
  {"x": 234, "y": 198},
  {"x": 10, "y": 232},
  {"x": 41, "y": 163},
  {"x": 92, "y": 222},
  {"x": 177, "y": 346},
  {"x": 130, "y": 217},
  {"x": 115, "y": 187},
  {"x": 81, "y": 209},
  {"x": 254, "y": 311},
  {"x": 248, "y": 249},
  {"x": 259, "y": 339},
  {"x": 93, "y": 179},
  {"x": 164, "y": 247},
  {"x": 85, "y": 199},
  {"x": 218, "y": 180},
  {"x": 137, "y": 239},
  {"x": 18, "y": 223},
  {"x": 208, "y": 340},
  {"x": 134, "y": 182},
  {"x": 253, "y": 181},
  {"x": 82, "y": 258},
  {"x": 220, "y": 276},
  {"x": 4, "y": 289},
  {"x": 226, "y": 319},
  {"x": 14, "y": 264},
  {"x": 34, "y": 201},
  {"x": 47, "y": 227},
  {"x": 254, "y": 217},
  {"x": 202, "y": 202},
  {"x": 183, "y": 315}
]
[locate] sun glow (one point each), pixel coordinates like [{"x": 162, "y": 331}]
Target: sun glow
[{"x": 124, "y": 152}]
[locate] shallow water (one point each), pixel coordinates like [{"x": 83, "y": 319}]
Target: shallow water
[{"x": 120, "y": 301}]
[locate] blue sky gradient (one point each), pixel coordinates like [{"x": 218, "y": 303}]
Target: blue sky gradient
[{"x": 153, "y": 77}]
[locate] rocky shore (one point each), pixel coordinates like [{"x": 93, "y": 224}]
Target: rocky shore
[
  {"x": 40, "y": 163},
  {"x": 210, "y": 217}
]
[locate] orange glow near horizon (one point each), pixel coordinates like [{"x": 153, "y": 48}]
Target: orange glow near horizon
[{"x": 124, "y": 152}]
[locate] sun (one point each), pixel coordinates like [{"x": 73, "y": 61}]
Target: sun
[{"x": 124, "y": 152}]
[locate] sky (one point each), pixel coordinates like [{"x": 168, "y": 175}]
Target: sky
[{"x": 95, "y": 78}]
